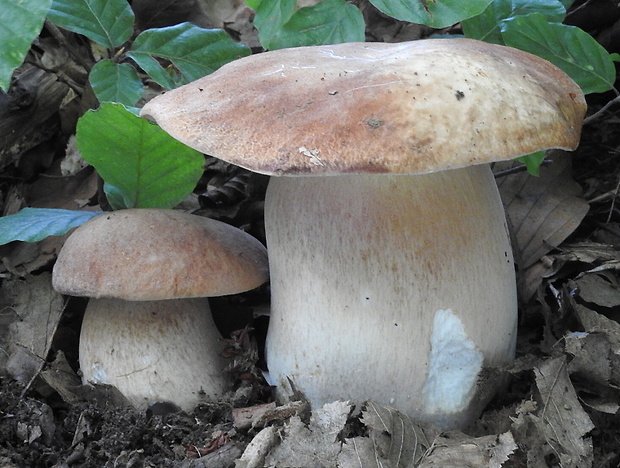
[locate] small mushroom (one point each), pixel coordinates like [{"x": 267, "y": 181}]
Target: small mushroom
[
  {"x": 148, "y": 329},
  {"x": 392, "y": 274}
]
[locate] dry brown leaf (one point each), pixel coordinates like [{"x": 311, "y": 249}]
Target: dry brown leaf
[
  {"x": 592, "y": 322},
  {"x": 28, "y": 116},
  {"x": 591, "y": 352},
  {"x": 396, "y": 437},
  {"x": 59, "y": 375},
  {"x": 552, "y": 265},
  {"x": 361, "y": 452},
  {"x": 560, "y": 417},
  {"x": 234, "y": 16},
  {"x": 73, "y": 162},
  {"x": 397, "y": 441},
  {"x": 602, "y": 289},
  {"x": 526, "y": 429},
  {"x": 596, "y": 351},
  {"x": 542, "y": 212},
  {"x": 595, "y": 365},
  {"x": 67, "y": 192},
  {"x": 314, "y": 445},
  {"x": 589, "y": 252},
  {"x": 29, "y": 315},
  {"x": 602, "y": 403},
  {"x": 488, "y": 451}
]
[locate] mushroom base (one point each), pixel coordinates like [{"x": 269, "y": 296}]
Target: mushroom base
[
  {"x": 153, "y": 351},
  {"x": 392, "y": 288}
]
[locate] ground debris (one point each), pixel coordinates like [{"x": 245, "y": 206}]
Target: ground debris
[
  {"x": 30, "y": 311},
  {"x": 312, "y": 445},
  {"x": 560, "y": 417}
]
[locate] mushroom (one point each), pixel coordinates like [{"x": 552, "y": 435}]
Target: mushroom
[
  {"x": 148, "y": 329},
  {"x": 392, "y": 275}
]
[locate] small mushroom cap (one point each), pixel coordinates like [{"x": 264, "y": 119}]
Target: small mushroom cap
[
  {"x": 409, "y": 107},
  {"x": 150, "y": 254}
]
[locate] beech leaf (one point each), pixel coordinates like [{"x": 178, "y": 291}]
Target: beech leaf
[
  {"x": 433, "y": 13},
  {"x": 35, "y": 224},
  {"x": 571, "y": 49},
  {"x": 193, "y": 52},
  {"x": 327, "y": 22},
  {"x": 107, "y": 22},
  {"x": 21, "y": 22},
  {"x": 486, "y": 26},
  {"x": 145, "y": 165},
  {"x": 116, "y": 82}
]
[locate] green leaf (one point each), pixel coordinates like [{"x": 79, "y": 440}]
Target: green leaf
[
  {"x": 486, "y": 26},
  {"x": 533, "y": 161},
  {"x": 433, "y": 13},
  {"x": 20, "y": 24},
  {"x": 34, "y": 224},
  {"x": 114, "y": 82},
  {"x": 147, "y": 166},
  {"x": 567, "y": 47},
  {"x": 270, "y": 16},
  {"x": 254, "y": 4},
  {"x": 194, "y": 52},
  {"x": 114, "y": 196},
  {"x": 327, "y": 22},
  {"x": 107, "y": 22}
]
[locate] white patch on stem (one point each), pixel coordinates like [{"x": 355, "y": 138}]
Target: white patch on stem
[{"x": 453, "y": 366}]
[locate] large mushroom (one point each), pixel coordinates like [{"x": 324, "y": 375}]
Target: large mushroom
[
  {"x": 392, "y": 274},
  {"x": 148, "y": 329}
]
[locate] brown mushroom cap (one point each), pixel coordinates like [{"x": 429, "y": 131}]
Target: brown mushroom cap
[
  {"x": 410, "y": 107},
  {"x": 149, "y": 254}
]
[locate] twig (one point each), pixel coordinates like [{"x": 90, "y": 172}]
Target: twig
[
  {"x": 519, "y": 168},
  {"x": 602, "y": 110}
]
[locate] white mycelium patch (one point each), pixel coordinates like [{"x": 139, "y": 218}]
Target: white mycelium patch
[
  {"x": 98, "y": 374},
  {"x": 453, "y": 367}
]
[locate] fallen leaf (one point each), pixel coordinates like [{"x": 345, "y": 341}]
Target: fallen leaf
[
  {"x": 561, "y": 419},
  {"x": 361, "y": 452},
  {"x": 397, "y": 438},
  {"x": 488, "y": 451},
  {"x": 397, "y": 441},
  {"x": 602, "y": 289},
  {"x": 542, "y": 212},
  {"x": 591, "y": 352},
  {"x": 314, "y": 445},
  {"x": 30, "y": 311}
]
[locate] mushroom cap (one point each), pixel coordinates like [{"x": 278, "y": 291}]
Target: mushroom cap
[
  {"x": 150, "y": 254},
  {"x": 410, "y": 107}
]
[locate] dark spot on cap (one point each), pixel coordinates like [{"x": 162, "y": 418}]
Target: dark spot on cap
[{"x": 374, "y": 123}]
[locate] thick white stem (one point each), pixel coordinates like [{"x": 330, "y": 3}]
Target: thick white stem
[
  {"x": 368, "y": 270},
  {"x": 153, "y": 351}
]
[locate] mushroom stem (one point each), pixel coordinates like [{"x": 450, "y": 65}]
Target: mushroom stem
[
  {"x": 395, "y": 288},
  {"x": 151, "y": 350}
]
